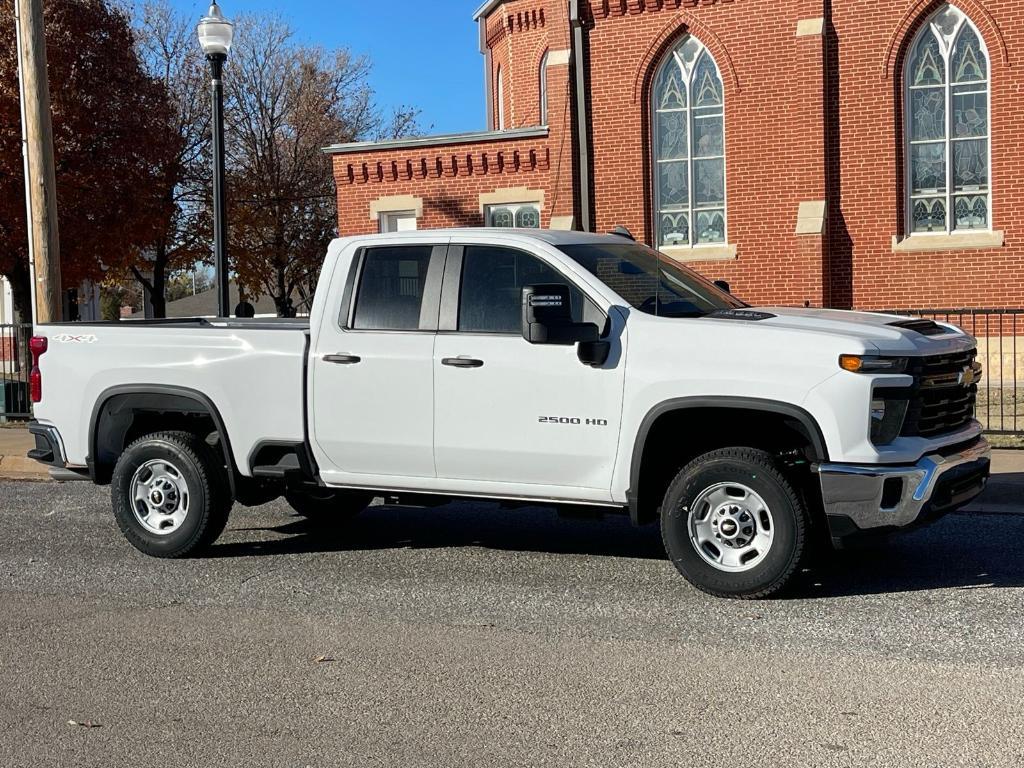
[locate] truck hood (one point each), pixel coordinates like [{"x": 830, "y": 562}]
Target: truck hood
[{"x": 879, "y": 330}]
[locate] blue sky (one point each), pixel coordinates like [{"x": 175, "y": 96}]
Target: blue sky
[{"x": 424, "y": 52}]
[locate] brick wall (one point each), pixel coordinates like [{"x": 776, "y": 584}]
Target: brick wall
[
  {"x": 773, "y": 131},
  {"x": 867, "y": 81},
  {"x": 451, "y": 178},
  {"x": 809, "y": 117}
]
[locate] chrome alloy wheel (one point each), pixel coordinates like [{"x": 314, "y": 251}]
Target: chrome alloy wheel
[
  {"x": 731, "y": 527},
  {"x": 160, "y": 497}
]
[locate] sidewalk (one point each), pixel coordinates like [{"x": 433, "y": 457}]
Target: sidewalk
[
  {"x": 15, "y": 442},
  {"x": 1005, "y": 492}
]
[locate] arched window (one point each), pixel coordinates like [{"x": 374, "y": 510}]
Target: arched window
[
  {"x": 500, "y": 96},
  {"x": 544, "y": 89},
  {"x": 946, "y": 106},
  {"x": 689, "y": 147}
]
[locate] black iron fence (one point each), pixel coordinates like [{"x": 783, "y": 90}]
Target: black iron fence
[
  {"x": 15, "y": 364},
  {"x": 1000, "y": 335}
]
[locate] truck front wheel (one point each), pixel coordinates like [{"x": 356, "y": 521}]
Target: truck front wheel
[
  {"x": 733, "y": 524},
  {"x": 170, "y": 494}
]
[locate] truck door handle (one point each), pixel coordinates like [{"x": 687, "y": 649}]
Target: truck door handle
[
  {"x": 462, "y": 362},
  {"x": 342, "y": 359}
]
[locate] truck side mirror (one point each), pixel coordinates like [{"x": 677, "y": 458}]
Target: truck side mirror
[
  {"x": 723, "y": 285},
  {"x": 547, "y": 317}
]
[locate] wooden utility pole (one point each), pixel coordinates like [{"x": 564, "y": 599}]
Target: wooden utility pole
[{"x": 41, "y": 183}]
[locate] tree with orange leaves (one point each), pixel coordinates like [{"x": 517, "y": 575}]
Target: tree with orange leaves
[{"x": 112, "y": 137}]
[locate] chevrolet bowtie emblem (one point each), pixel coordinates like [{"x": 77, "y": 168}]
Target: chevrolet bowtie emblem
[{"x": 967, "y": 376}]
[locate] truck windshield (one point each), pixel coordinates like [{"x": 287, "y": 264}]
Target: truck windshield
[{"x": 650, "y": 281}]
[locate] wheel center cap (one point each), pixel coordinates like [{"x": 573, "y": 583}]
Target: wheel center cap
[
  {"x": 156, "y": 497},
  {"x": 729, "y": 527}
]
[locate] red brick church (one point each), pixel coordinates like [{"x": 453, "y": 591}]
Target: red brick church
[{"x": 862, "y": 153}]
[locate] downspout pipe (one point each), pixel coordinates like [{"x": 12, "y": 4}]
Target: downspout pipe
[{"x": 582, "y": 113}]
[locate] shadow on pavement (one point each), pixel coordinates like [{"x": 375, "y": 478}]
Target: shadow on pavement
[
  {"x": 964, "y": 550},
  {"x": 459, "y": 524},
  {"x": 961, "y": 551}
]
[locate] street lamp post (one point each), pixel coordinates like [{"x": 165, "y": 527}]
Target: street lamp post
[{"x": 215, "y": 33}]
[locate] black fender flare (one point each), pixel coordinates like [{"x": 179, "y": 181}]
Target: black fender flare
[
  {"x": 162, "y": 397},
  {"x": 804, "y": 418}
]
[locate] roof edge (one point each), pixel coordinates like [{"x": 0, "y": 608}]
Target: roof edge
[
  {"x": 533, "y": 132},
  {"x": 486, "y": 8}
]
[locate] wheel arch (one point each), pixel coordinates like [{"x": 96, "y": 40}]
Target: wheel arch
[
  {"x": 797, "y": 421},
  {"x": 117, "y": 409}
]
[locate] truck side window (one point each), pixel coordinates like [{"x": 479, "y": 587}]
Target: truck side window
[
  {"x": 390, "y": 288},
  {"x": 492, "y": 284}
]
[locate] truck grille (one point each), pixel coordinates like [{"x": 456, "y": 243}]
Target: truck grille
[{"x": 945, "y": 394}]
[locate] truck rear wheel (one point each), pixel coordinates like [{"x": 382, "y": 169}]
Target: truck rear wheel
[
  {"x": 170, "y": 495},
  {"x": 733, "y": 524},
  {"x": 328, "y": 505}
]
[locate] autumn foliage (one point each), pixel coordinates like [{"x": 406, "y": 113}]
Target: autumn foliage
[
  {"x": 112, "y": 138},
  {"x": 286, "y": 101}
]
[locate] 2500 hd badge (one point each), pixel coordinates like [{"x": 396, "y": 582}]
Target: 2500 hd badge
[{"x": 572, "y": 420}]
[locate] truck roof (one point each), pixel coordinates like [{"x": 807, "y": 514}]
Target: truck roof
[{"x": 550, "y": 236}]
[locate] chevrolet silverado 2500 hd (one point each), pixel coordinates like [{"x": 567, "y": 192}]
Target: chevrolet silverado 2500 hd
[{"x": 530, "y": 367}]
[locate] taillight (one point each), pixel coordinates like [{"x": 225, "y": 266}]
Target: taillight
[{"x": 37, "y": 346}]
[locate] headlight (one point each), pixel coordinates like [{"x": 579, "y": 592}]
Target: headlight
[
  {"x": 870, "y": 364},
  {"x": 887, "y": 419}
]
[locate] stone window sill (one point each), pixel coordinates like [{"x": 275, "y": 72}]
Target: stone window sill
[
  {"x": 700, "y": 252},
  {"x": 958, "y": 242}
]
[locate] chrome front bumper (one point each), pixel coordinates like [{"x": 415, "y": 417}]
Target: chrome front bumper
[{"x": 860, "y": 497}]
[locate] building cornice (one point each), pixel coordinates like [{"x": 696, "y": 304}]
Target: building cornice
[
  {"x": 486, "y": 8},
  {"x": 604, "y": 9},
  {"x": 444, "y": 140}
]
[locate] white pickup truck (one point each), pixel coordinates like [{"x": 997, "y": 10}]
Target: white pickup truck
[{"x": 529, "y": 367}]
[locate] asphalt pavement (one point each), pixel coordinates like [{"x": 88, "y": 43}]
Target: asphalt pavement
[{"x": 470, "y": 635}]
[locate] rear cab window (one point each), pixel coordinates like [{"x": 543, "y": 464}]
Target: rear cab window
[{"x": 390, "y": 288}]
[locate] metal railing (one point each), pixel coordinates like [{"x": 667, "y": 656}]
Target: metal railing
[
  {"x": 15, "y": 364},
  {"x": 1000, "y": 335}
]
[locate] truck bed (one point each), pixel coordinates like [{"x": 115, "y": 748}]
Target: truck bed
[{"x": 244, "y": 367}]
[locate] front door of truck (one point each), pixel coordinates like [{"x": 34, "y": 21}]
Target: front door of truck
[
  {"x": 372, "y": 389},
  {"x": 513, "y": 417}
]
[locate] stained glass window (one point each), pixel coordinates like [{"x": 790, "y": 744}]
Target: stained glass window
[
  {"x": 689, "y": 147},
  {"x": 544, "y": 89},
  {"x": 947, "y": 120},
  {"x": 523, "y": 215}
]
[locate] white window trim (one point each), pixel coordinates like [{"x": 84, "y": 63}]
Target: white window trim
[
  {"x": 385, "y": 216},
  {"x": 961, "y": 240},
  {"x": 705, "y": 252},
  {"x": 394, "y": 204},
  {"x": 721, "y": 250},
  {"x": 950, "y": 238},
  {"x": 512, "y": 195}
]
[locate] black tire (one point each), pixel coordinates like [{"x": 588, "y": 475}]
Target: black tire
[
  {"x": 328, "y": 505},
  {"x": 757, "y": 471},
  {"x": 201, "y": 469}
]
